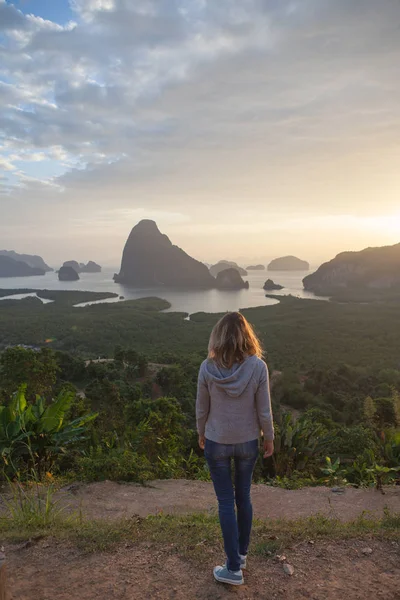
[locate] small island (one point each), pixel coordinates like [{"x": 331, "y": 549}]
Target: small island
[
  {"x": 222, "y": 265},
  {"x": 288, "y": 263},
  {"x": 255, "y": 268},
  {"x": 270, "y": 285},
  {"x": 67, "y": 273},
  {"x": 91, "y": 266},
  {"x": 229, "y": 279}
]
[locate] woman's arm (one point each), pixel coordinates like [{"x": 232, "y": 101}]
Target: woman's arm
[
  {"x": 202, "y": 404},
  {"x": 263, "y": 404}
]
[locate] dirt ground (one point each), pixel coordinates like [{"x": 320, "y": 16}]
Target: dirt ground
[
  {"x": 52, "y": 570},
  {"x": 113, "y": 500}
]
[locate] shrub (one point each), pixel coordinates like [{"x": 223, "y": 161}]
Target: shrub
[
  {"x": 33, "y": 435},
  {"x": 117, "y": 464}
]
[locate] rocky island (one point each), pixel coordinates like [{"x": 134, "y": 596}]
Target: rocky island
[
  {"x": 288, "y": 263},
  {"x": 270, "y": 285},
  {"x": 255, "y": 268},
  {"x": 222, "y": 265},
  {"x": 229, "y": 279},
  {"x": 91, "y": 266},
  {"x": 17, "y": 268},
  {"x": 150, "y": 259},
  {"x": 67, "y": 273},
  {"x": 32, "y": 260},
  {"x": 369, "y": 269}
]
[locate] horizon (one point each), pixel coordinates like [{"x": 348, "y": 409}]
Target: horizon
[
  {"x": 246, "y": 132},
  {"x": 242, "y": 261}
]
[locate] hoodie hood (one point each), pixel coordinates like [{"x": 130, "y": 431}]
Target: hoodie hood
[{"x": 234, "y": 380}]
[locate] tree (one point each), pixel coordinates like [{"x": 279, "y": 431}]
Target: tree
[
  {"x": 37, "y": 369},
  {"x": 369, "y": 410}
]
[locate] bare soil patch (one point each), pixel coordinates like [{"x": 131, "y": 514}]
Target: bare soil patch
[
  {"x": 114, "y": 500},
  {"x": 54, "y": 570}
]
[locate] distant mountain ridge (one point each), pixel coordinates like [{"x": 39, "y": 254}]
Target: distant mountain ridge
[
  {"x": 150, "y": 259},
  {"x": 16, "y": 268},
  {"x": 288, "y": 263},
  {"x": 373, "y": 268},
  {"x": 32, "y": 260}
]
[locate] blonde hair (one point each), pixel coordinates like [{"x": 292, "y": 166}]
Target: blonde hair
[{"x": 232, "y": 339}]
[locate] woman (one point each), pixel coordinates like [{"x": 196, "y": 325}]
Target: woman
[{"x": 233, "y": 406}]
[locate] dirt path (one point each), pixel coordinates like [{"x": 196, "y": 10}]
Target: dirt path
[
  {"x": 113, "y": 500},
  {"x": 53, "y": 570}
]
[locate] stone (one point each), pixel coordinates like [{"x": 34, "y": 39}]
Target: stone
[{"x": 288, "y": 569}]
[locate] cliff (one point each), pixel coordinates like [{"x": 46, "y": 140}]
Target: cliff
[
  {"x": 372, "y": 268},
  {"x": 150, "y": 259},
  {"x": 32, "y": 260},
  {"x": 288, "y": 263}
]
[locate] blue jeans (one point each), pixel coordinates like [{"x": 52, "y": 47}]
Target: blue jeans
[{"x": 236, "y": 532}]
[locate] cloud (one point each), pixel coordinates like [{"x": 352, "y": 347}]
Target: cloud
[
  {"x": 198, "y": 105},
  {"x": 10, "y": 17}
]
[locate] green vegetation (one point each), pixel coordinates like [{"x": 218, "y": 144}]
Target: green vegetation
[
  {"x": 64, "y": 297},
  {"x": 348, "y": 429},
  {"x": 336, "y": 390},
  {"x": 297, "y": 334},
  {"x": 33, "y": 435}
]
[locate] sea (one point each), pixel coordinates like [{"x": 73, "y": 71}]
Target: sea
[{"x": 188, "y": 301}]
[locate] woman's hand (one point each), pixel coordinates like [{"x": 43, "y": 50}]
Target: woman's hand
[
  {"x": 202, "y": 441},
  {"x": 268, "y": 448}
]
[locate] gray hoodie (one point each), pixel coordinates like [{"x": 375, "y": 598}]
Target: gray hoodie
[{"x": 234, "y": 405}]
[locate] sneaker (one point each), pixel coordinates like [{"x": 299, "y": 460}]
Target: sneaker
[{"x": 223, "y": 575}]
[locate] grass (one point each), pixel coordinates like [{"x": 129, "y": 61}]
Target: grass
[{"x": 189, "y": 534}]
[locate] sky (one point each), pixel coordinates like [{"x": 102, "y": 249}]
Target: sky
[{"x": 247, "y": 130}]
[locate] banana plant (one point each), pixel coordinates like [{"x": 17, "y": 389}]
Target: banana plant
[
  {"x": 33, "y": 435},
  {"x": 335, "y": 474}
]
